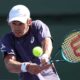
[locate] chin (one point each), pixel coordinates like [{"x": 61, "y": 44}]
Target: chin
[{"x": 17, "y": 35}]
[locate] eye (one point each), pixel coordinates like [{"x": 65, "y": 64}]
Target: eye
[
  {"x": 17, "y": 23},
  {"x": 20, "y": 23}
]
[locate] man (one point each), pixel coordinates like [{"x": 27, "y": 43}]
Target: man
[{"x": 17, "y": 46}]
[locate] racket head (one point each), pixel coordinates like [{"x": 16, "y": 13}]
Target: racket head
[{"x": 70, "y": 48}]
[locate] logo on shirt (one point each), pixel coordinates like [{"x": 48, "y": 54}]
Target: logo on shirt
[
  {"x": 2, "y": 48},
  {"x": 32, "y": 40},
  {"x": 12, "y": 52}
]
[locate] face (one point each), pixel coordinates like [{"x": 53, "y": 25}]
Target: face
[{"x": 19, "y": 29}]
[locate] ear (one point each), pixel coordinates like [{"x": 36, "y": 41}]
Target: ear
[
  {"x": 7, "y": 21},
  {"x": 29, "y": 22}
]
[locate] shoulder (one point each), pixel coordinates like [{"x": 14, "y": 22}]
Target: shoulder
[{"x": 38, "y": 24}]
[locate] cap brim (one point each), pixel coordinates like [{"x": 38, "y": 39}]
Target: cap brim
[{"x": 21, "y": 19}]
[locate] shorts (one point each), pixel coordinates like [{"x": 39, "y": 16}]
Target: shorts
[{"x": 50, "y": 74}]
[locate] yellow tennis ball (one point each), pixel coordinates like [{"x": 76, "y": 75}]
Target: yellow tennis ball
[{"x": 37, "y": 51}]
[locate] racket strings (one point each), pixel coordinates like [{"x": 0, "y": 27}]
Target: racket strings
[{"x": 69, "y": 49}]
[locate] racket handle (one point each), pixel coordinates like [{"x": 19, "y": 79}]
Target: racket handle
[
  {"x": 60, "y": 60},
  {"x": 40, "y": 76}
]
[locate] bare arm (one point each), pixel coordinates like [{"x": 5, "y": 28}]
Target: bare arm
[
  {"x": 47, "y": 46},
  {"x": 11, "y": 64},
  {"x": 14, "y": 66}
]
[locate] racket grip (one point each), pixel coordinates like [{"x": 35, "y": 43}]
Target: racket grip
[{"x": 40, "y": 76}]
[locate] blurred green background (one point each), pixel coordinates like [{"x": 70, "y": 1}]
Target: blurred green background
[{"x": 62, "y": 16}]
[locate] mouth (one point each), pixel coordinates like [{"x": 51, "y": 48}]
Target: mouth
[{"x": 18, "y": 33}]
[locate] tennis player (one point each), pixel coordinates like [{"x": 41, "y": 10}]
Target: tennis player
[{"x": 17, "y": 46}]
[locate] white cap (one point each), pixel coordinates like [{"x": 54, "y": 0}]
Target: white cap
[{"x": 19, "y": 13}]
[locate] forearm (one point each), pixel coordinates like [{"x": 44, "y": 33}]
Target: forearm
[
  {"x": 13, "y": 66},
  {"x": 47, "y": 46},
  {"x": 33, "y": 68}
]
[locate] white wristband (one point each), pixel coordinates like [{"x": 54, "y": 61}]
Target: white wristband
[{"x": 23, "y": 67}]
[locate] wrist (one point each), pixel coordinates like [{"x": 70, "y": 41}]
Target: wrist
[
  {"x": 24, "y": 67},
  {"x": 44, "y": 56}
]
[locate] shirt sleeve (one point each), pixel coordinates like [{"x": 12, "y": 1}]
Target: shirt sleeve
[
  {"x": 43, "y": 30},
  {"x": 6, "y": 46}
]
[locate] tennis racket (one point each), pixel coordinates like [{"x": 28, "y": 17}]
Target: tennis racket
[{"x": 70, "y": 48}]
